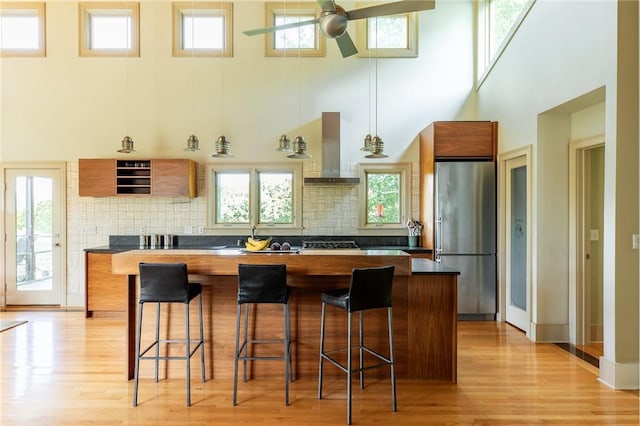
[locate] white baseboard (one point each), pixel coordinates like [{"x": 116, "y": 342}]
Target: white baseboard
[
  {"x": 620, "y": 375},
  {"x": 75, "y": 300}
]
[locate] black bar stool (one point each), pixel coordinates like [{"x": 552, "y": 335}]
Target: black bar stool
[
  {"x": 261, "y": 284},
  {"x": 370, "y": 288},
  {"x": 168, "y": 283}
]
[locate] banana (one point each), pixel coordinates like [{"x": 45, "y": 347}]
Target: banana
[{"x": 257, "y": 245}]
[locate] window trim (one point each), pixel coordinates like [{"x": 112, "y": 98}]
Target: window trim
[
  {"x": 411, "y": 51},
  {"x": 39, "y": 7},
  {"x": 254, "y": 169},
  {"x": 226, "y": 10},
  {"x": 483, "y": 35},
  {"x": 404, "y": 169},
  {"x": 271, "y": 9},
  {"x": 84, "y": 28}
]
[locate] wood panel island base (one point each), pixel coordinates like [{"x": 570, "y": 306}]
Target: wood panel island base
[{"x": 424, "y": 311}]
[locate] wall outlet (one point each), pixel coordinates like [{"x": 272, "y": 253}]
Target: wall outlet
[
  {"x": 188, "y": 229},
  {"x": 594, "y": 234},
  {"x": 200, "y": 229},
  {"x": 90, "y": 229},
  {"x": 636, "y": 241}
]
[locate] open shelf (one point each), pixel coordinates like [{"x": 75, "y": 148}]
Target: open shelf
[{"x": 133, "y": 177}]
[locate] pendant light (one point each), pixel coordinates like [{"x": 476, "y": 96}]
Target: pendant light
[
  {"x": 284, "y": 143},
  {"x": 222, "y": 144},
  {"x": 127, "y": 141},
  {"x": 367, "y": 139},
  {"x": 193, "y": 143},
  {"x": 377, "y": 145},
  {"x": 299, "y": 144}
]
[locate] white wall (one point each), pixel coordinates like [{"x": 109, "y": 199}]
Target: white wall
[{"x": 567, "y": 57}]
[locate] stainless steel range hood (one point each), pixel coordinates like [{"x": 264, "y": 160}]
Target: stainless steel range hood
[{"x": 331, "y": 154}]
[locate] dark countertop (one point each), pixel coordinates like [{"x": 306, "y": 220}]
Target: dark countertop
[
  {"x": 419, "y": 266},
  {"x": 422, "y": 266}
]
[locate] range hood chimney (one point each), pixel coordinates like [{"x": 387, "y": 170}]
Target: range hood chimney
[{"x": 330, "y": 174}]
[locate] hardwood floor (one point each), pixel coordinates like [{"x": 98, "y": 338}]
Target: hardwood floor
[{"x": 62, "y": 369}]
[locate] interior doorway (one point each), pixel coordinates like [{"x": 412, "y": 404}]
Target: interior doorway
[
  {"x": 587, "y": 217},
  {"x": 515, "y": 238},
  {"x": 34, "y": 225}
]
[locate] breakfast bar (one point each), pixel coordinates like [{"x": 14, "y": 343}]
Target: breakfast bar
[{"x": 424, "y": 307}]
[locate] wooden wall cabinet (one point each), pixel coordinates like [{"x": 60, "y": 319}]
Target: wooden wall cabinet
[
  {"x": 104, "y": 291},
  {"x": 109, "y": 177},
  {"x": 450, "y": 140}
]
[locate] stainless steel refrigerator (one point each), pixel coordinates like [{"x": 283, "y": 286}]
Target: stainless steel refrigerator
[{"x": 465, "y": 233}]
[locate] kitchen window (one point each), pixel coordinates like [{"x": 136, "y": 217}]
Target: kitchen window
[
  {"x": 265, "y": 196},
  {"x": 498, "y": 20},
  {"x": 385, "y": 200},
  {"x": 22, "y": 29},
  {"x": 302, "y": 41},
  {"x": 203, "y": 29},
  {"x": 109, "y": 29},
  {"x": 392, "y": 36}
]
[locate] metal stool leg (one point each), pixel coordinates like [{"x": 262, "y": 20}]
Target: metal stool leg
[
  {"x": 137, "y": 367},
  {"x": 202, "y": 341},
  {"x": 393, "y": 369},
  {"x": 236, "y": 354},
  {"x": 361, "y": 341},
  {"x": 286, "y": 358},
  {"x": 321, "y": 352},
  {"x": 188, "y": 352},
  {"x": 349, "y": 369},
  {"x": 245, "y": 345},
  {"x": 157, "y": 360}
]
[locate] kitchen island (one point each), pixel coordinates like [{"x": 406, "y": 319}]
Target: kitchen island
[{"x": 418, "y": 320}]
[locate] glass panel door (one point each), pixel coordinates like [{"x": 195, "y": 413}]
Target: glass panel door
[
  {"x": 33, "y": 245},
  {"x": 516, "y": 251}
]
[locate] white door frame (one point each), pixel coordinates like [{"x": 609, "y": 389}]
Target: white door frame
[
  {"x": 503, "y": 230},
  {"x": 578, "y": 291},
  {"x": 61, "y": 265}
]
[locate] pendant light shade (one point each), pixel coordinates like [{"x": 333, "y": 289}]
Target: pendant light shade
[
  {"x": 367, "y": 143},
  {"x": 193, "y": 143},
  {"x": 127, "y": 146},
  {"x": 299, "y": 149},
  {"x": 377, "y": 148},
  {"x": 284, "y": 144},
  {"x": 222, "y": 147}
]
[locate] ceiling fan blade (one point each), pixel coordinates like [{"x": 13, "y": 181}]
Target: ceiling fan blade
[
  {"x": 279, "y": 27},
  {"x": 394, "y": 8},
  {"x": 327, "y": 5},
  {"x": 346, "y": 46}
]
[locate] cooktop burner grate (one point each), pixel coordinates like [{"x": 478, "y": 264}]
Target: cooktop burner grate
[{"x": 329, "y": 245}]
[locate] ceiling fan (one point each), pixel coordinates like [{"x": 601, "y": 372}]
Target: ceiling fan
[{"x": 333, "y": 20}]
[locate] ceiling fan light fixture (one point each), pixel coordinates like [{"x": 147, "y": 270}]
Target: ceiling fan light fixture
[
  {"x": 193, "y": 143},
  {"x": 127, "y": 146},
  {"x": 299, "y": 149},
  {"x": 284, "y": 144},
  {"x": 377, "y": 146},
  {"x": 222, "y": 147}
]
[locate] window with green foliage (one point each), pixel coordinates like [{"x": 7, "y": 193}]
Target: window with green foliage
[
  {"x": 263, "y": 196},
  {"x": 497, "y": 22},
  {"x": 385, "y": 202},
  {"x": 300, "y": 41},
  {"x": 383, "y": 197},
  {"x": 392, "y": 36}
]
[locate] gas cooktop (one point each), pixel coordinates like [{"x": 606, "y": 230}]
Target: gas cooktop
[{"x": 329, "y": 245}]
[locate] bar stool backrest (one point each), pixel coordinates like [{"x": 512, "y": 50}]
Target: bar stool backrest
[
  {"x": 370, "y": 288},
  {"x": 164, "y": 282},
  {"x": 262, "y": 283}
]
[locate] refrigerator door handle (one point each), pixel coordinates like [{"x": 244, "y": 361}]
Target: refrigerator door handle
[{"x": 438, "y": 238}]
